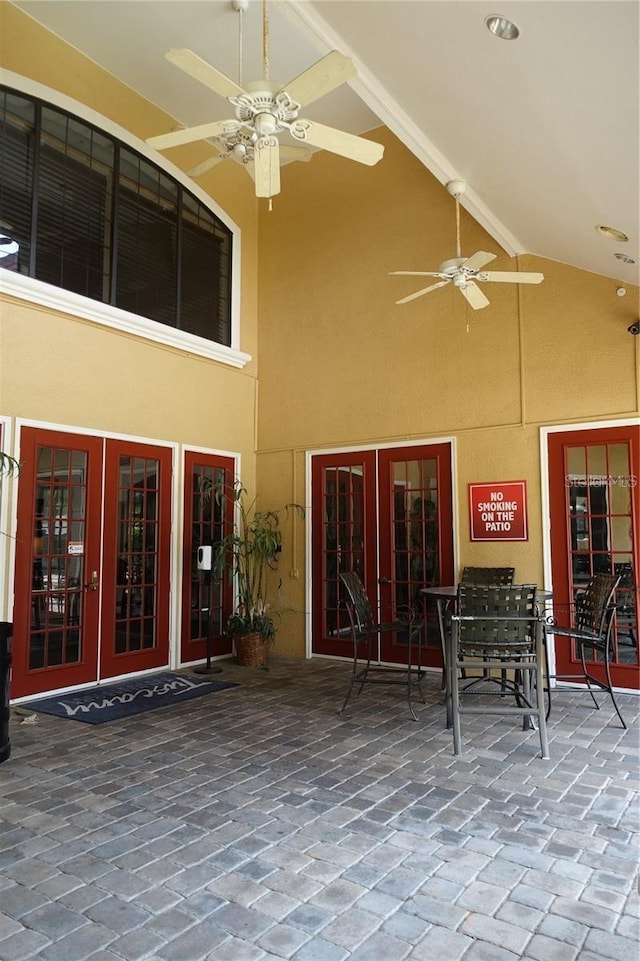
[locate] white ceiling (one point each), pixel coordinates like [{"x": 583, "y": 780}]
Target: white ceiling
[{"x": 545, "y": 129}]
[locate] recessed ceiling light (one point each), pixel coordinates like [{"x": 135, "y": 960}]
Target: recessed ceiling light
[
  {"x": 501, "y": 27},
  {"x": 612, "y": 233},
  {"x": 624, "y": 258}
]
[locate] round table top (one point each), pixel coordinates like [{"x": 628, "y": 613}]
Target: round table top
[{"x": 449, "y": 591}]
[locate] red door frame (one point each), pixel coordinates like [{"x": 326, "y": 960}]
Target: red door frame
[
  {"x": 195, "y": 648},
  {"x": 113, "y": 664},
  {"x": 623, "y": 675},
  {"x": 99, "y": 554},
  {"x": 26, "y": 681},
  {"x": 325, "y": 587},
  {"x": 387, "y": 457},
  {"x": 377, "y": 524}
]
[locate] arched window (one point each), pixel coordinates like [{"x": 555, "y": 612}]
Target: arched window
[{"x": 85, "y": 212}]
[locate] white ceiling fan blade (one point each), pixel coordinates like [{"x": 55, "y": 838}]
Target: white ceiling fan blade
[
  {"x": 200, "y": 70},
  {"x": 323, "y": 76},
  {"x": 267, "y": 167},
  {"x": 426, "y": 290},
  {"x": 474, "y": 295},
  {"x": 415, "y": 273},
  {"x": 206, "y": 165},
  {"x": 478, "y": 260},
  {"x": 294, "y": 153},
  {"x": 189, "y": 134},
  {"x": 337, "y": 141},
  {"x": 512, "y": 277}
]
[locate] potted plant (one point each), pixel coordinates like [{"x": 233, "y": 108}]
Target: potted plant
[
  {"x": 248, "y": 555},
  {"x": 8, "y": 464}
]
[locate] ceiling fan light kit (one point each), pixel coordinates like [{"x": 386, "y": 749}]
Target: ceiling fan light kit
[
  {"x": 263, "y": 110},
  {"x": 465, "y": 272}
]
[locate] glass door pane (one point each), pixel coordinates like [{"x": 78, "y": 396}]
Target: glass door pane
[{"x": 136, "y": 587}]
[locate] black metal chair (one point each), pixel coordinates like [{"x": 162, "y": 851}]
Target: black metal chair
[
  {"x": 498, "y": 576},
  {"x": 365, "y": 633},
  {"x": 487, "y": 575},
  {"x": 626, "y": 607},
  {"x": 590, "y": 630},
  {"x": 496, "y": 632}
]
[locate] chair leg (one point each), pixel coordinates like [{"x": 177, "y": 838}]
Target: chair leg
[
  {"x": 415, "y": 637},
  {"x": 522, "y": 681},
  {"x": 453, "y": 694},
  {"x": 441, "y": 628},
  {"x": 610, "y": 685},
  {"x": 607, "y": 668},
  {"x": 455, "y": 711},
  {"x": 414, "y": 716},
  {"x": 603, "y": 687},
  {"x": 357, "y": 675},
  {"x": 542, "y": 717},
  {"x": 352, "y": 680},
  {"x": 587, "y": 676},
  {"x": 545, "y": 647}
]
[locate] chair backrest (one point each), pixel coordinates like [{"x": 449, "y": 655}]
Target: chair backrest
[
  {"x": 626, "y": 591},
  {"x": 359, "y": 605},
  {"x": 595, "y": 605},
  {"x": 625, "y": 571},
  {"x": 482, "y": 603},
  {"x": 487, "y": 575}
]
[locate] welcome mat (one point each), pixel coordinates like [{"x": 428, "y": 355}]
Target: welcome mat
[{"x": 111, "y": 702}]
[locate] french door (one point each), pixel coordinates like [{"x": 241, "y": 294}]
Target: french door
[
  {"x": 594, "y": 482},
  {"x": 92, "y": 589},
  {"x": 208, "y": 517},
  {"x": 387, "y": 515}
]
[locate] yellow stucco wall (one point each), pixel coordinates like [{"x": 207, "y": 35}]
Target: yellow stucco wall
[
  {"x": 342, "y": 365},
  {"x": 66, "y": 370}
]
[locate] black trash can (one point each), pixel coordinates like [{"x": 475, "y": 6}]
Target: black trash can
[{"x": 6, "y": 633}]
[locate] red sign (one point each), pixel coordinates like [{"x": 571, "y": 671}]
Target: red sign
[{"x": 498, "y": 511}]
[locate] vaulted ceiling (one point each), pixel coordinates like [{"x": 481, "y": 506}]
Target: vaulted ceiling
[{"x": 545, "y": 129}]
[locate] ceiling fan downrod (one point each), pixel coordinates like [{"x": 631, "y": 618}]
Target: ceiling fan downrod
[{"x": 456, "y": 188}]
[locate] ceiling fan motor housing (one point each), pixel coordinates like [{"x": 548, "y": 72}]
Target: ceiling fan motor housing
[
  {"x": 262, "y": 100},
  {"x": 451, "y": 267}
]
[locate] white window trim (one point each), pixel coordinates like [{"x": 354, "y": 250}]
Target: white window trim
[{"x": 46, "y": 295}]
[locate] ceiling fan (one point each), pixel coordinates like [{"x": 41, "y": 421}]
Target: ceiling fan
[
  {"x": 463, "y": 272},
  {"x": 262, "y": 110}
]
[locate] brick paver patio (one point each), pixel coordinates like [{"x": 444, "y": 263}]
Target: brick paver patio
[{"x": 257, "y": 824}]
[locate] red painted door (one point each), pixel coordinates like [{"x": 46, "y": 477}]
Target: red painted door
[
  {"x": 344, "y": 538},
  {"x": 136, "y": 550},
  {"x": 594, "y": 482},
  {"x": 416, "y": 537},
  {"x": 92, "y": 560},
  {"x": 387, "y": 516},
  {"x": 58, "y": 562},
  {"x": 206, "y": 603}
]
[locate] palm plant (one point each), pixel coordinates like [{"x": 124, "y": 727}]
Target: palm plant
[
  {"x": 247, "y": 555},
  {"x": 8, "y": 464}
]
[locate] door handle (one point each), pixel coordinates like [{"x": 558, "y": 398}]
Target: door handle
[
  {"x": 384, "y": 580},
  {"x": 93, "y": 584}
]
